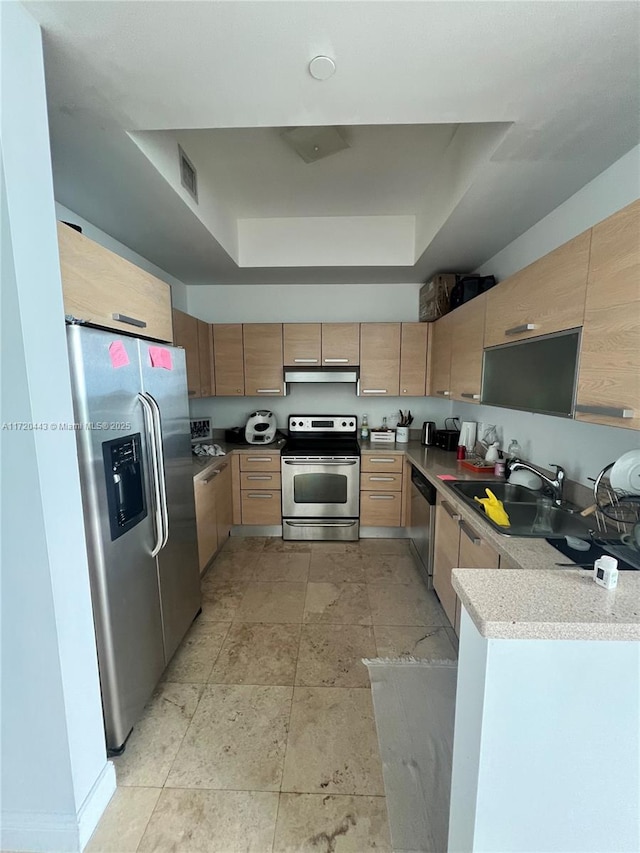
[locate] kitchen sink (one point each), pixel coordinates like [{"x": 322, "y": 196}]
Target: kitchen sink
[{"x": 521, "y": 505}]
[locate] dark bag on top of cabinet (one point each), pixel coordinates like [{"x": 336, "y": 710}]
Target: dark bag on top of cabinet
[{"x": 469, "y": 286}]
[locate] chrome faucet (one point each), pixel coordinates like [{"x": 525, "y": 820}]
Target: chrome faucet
[{"x": 555, "y": 485}]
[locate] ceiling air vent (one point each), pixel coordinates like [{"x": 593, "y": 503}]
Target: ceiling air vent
[
  {"x": 188, "y": 174},
  {"x": 314, "y": 143}
]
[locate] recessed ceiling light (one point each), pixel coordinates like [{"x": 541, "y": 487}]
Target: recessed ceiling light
[{"x": 322, "y": 67}]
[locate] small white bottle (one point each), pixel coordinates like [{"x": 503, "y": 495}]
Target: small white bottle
[
  {"x": 605, "y": 572},
  {"x": 492, "y": 452},
  {"x": 514, "y": 449},
  {"x": 364, "y": 428}
]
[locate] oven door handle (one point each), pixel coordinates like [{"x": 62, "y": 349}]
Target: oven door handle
[
  {"x": 308, "y": 462},
  {"x": 320, "y": 523}
]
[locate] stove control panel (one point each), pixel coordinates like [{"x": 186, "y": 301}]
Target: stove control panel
[{"x": 341, "y": 424}]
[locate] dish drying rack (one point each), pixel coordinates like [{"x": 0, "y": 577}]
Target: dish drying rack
[{"x": 614, "y": 507}]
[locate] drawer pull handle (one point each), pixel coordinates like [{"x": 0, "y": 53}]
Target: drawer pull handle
[
  {"x": 191, "y": 393},
  {"x": 450, "y": 510},
  {"x": 382, "y": 479},
  {"x": 471, "y": 396},
  {"x": 259, "y": 477},
  {"x": 258, "y": 495},
  {"x": 130, "y": 321},
  {"x": 382, "y": 497},
  {"x": 258, "y": 458},
  {"x": 517, "y": 330},
  {"x": 268, "y": 390},
  {"x": 606, "y": 411},
  {"x": 336, "y": 361},
  {"x": 470, "y": 534},
  {"x": 374, "y": 390},
  {"x": 305, "y": 360},
  {"x": 443, "y": 393},
  {"x": 375, "y": 459}
]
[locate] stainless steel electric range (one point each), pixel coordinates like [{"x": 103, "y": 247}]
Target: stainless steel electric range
[{"x": 321, "y": 478}]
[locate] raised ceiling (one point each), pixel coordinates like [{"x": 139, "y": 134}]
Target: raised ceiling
[{"x": 467, "y": 122}]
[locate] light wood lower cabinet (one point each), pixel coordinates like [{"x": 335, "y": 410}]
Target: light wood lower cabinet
[
  {"x": 212, "y": 491},
  {"x": 414, "y": 342},
  {"x": 381, "y": 498},
  {"x": 259, "y": 488},
  {"x": 380, "y": 359},
  {"x": 102, "y": 288},
  {"x": 456, "y": 545},
  {"x": 263, "y": 360}
]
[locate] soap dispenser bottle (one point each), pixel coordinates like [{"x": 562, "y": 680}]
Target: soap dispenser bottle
[{"x": 514, "y": 449}]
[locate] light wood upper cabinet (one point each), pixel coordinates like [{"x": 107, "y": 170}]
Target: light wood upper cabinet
[
  {"x": 547, "y": 296},
  {"x": 263, "y": 360},
  {"x": 302, "y": 344},
  {"x": 185, "y": 330},
  {"x": 466, "y": 350},
  {"x": 413, "y": 359},
  {"x": 439, "y": 379},
  {"x": 228, "y": 359},
  {"x": 380, "y": 359},
  {"x": 340, "y": 344},
  {"x": 98, "y": 286},
  {"x": 609, "y": 375},
  {"x": 205, "y": 354}
]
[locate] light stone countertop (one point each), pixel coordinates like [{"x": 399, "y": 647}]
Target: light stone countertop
[{"x": 558, "y": 604}]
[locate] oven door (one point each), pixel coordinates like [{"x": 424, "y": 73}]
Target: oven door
[{"x": 322, "y": 488}]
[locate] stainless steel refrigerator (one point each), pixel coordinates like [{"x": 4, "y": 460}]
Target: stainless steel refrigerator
[{"x": 134, "y": 449}]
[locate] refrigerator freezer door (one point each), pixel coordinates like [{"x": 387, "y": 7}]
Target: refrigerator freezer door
[
  {"x": 178, "y": 560},
  {"x": 123, "y": 574}
]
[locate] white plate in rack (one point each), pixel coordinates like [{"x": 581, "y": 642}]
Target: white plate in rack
[{"x": 625, "y": 474}]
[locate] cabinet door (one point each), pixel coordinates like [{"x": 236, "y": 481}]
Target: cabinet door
[
  {"x": 228, "y": 359},
  {"x": 380, "y": 509},
  {"x": 224, "y": 502},
  {"x": 440, "y": 360},
  {"x": 261, "y": 507},
  {"x": 263, "y": 359},
  {"x": 185, "y": 331},
  {"x": 206, "y": 521},
  {"x": 205, "y": 358},
  {"x": 609, "y": 377},
  {"x": 413, "y": 359},
  {"x": 302, "y": 343},
  {"x": 380, "y": 359},
  {"x": 547, "y": 296},
  {"x": 97, "y": 285},
  {"x": 474, "y": 553},
  {"x": 340, "y": 343},
  {"x": 467, "y": 341},
  {"x": 445, "y": 557}
]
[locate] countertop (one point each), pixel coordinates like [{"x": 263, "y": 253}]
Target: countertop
[
  {"x": 549, "y": 604},
  {"x": 202, "y": 464}
]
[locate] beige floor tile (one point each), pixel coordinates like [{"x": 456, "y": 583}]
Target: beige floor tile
[
  {"x": 123, "y": 823},
  {"x": 404, "y": 604},
  {"x": 331, "y": 655},
  {"x": 341, "y": 604},
  {"x": 275, "y": 567},
  {"x": 243, "y": 543},
  {"x": 156, "y": 738},
  {"x": 337, "y": 567},
  {"x": 391, "y": 568},
  {"x": 317, "y": 823},
  {"x": 418, "y": 642},
  {"x": 258, "y": 653},
  {"x": 211, "y": 822},
  {"x": 276, "y": 545},
  {"x": 380, "y": 546},
  {"x": 272, "y": 602},
  {"x": 332, "y": 746},
  {"x": 232, "y": 566},
  {"x": 236, "y": 740},
  {"x": 220, "y": 600},
  {"x": 197, "y": 653},
  {"x": 328, "y": 547}
]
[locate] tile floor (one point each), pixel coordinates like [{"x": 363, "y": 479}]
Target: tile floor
[{"x": 261, "y": 736}]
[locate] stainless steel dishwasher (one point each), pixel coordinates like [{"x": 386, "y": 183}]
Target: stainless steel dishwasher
[{"x": 423, "y": 522}]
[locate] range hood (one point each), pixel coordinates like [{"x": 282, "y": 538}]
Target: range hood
[{"x": 321, "y": 374}]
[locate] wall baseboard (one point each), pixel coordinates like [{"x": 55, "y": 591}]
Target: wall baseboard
[{"x": 43, "y": 832}]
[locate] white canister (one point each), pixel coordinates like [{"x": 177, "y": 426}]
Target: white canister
[{"x": 402, "y": 434}]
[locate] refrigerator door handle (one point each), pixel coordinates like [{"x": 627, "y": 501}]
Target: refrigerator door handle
[
  {"x": 161, "y": 468},
  {"x": 155, "y": 478}
]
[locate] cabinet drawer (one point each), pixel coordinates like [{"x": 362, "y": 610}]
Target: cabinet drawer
[
  {"x": 260, "y": 480},
  {"x": 381, "y": 462},
  {"x": 381, "y": 481},
  {"x": 261, "y": 506},
  {"x": 259, "y": 461},
  {"x": 380, "y": 509}
]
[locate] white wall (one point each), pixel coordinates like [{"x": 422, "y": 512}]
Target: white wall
[
  {"x": 56, "y": 780},
  {"x": 178, "y": 289}
]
